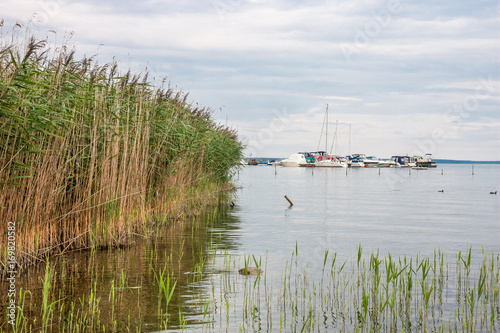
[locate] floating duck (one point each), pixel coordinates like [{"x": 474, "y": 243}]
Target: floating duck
[
  {"x": 493, "y": 192},
  {"x": 441, "y": 191},
  {"x": 250, "y": 271}
]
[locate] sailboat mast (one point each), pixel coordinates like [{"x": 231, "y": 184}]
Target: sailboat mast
[
  {"x": 325, "y": 119},
  {"x": 326, "y": 136},
  {"x": 349, "y": 139},
  {"x": 335, "y": 137}
]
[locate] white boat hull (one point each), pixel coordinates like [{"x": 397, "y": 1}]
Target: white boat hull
[
  {"x": 329, "y": 164},
  {"x": 289, "y": 164},
  {"x": 386, "y": 164},
  {"x": 295, "y": 160},
  {"x": 370, "y": 164}
]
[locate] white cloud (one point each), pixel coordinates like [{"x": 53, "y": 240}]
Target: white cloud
[
  {"x": 341, "y": 98},
  {"x": 253, "y": 57}
]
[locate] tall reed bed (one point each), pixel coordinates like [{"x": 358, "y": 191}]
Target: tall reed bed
[{"x": 90, "y": 156}]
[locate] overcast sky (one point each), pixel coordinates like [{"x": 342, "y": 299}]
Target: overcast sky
[{"x": 400, "y": 77}]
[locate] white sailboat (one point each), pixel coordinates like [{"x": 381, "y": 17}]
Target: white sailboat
[
  {"x": 329, "y": 161},
  {"x": 322, "y": 158}
]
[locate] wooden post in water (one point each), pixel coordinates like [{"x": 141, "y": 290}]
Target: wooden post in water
[
  {"x": 275, "y": 171},
  {"x": 442, "y": 171},
  {"x": 290, "y": 201},
  {"x": 409, "y": 171},
  {"x": 379, "y": 171},
  {"x": 473, "y": 169}
]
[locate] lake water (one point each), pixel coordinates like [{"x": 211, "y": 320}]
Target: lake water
[
  {"x": 403, "y": 212},
  {"x": 391, "y": 210}
]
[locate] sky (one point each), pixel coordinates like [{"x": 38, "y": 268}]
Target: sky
[{"x": 399, "y": 77}]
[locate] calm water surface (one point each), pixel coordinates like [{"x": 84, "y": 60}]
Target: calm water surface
[
  {"x": 397, "y": 211},
  {"x": 400, "y": 211}
]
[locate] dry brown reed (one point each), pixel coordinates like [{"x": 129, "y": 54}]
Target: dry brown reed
[{"x": 88, "y": 156}]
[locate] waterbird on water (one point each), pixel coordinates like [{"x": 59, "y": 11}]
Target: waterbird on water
[
  {"x": 441, "y": 191},
  {"x": 493, "y": 192}
]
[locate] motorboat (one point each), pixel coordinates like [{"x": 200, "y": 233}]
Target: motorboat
[
  {"x": 370, "y": 161},
  {"x": 355, "y": 161},
  {"x": 309, "y": 157},
  {"x": 425, "y": 161},
  {"x": 386, "y": 164},
  {"x": 403, "y": 161},
  {"x": 295, "y": 160}
]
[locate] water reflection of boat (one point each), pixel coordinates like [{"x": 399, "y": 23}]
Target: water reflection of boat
[{"x": 295, "y": 160}]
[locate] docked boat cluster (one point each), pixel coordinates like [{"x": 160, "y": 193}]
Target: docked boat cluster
[{"x": 322, "y": 159}]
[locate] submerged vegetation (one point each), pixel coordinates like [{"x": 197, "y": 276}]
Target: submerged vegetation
[
  {"x": 372, "y": 293},
  {"x": 90, "y": 156},
  {"x": 183, "y": 281}
]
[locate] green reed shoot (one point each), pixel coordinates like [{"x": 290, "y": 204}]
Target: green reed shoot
[
  {"x": 47, "y": 306},
  {"x": 360, "y": 252},
  {"x": 21, "y": 323},
  {"x": 165, "y": 286},
  {"x": 383, "y": 294}
]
